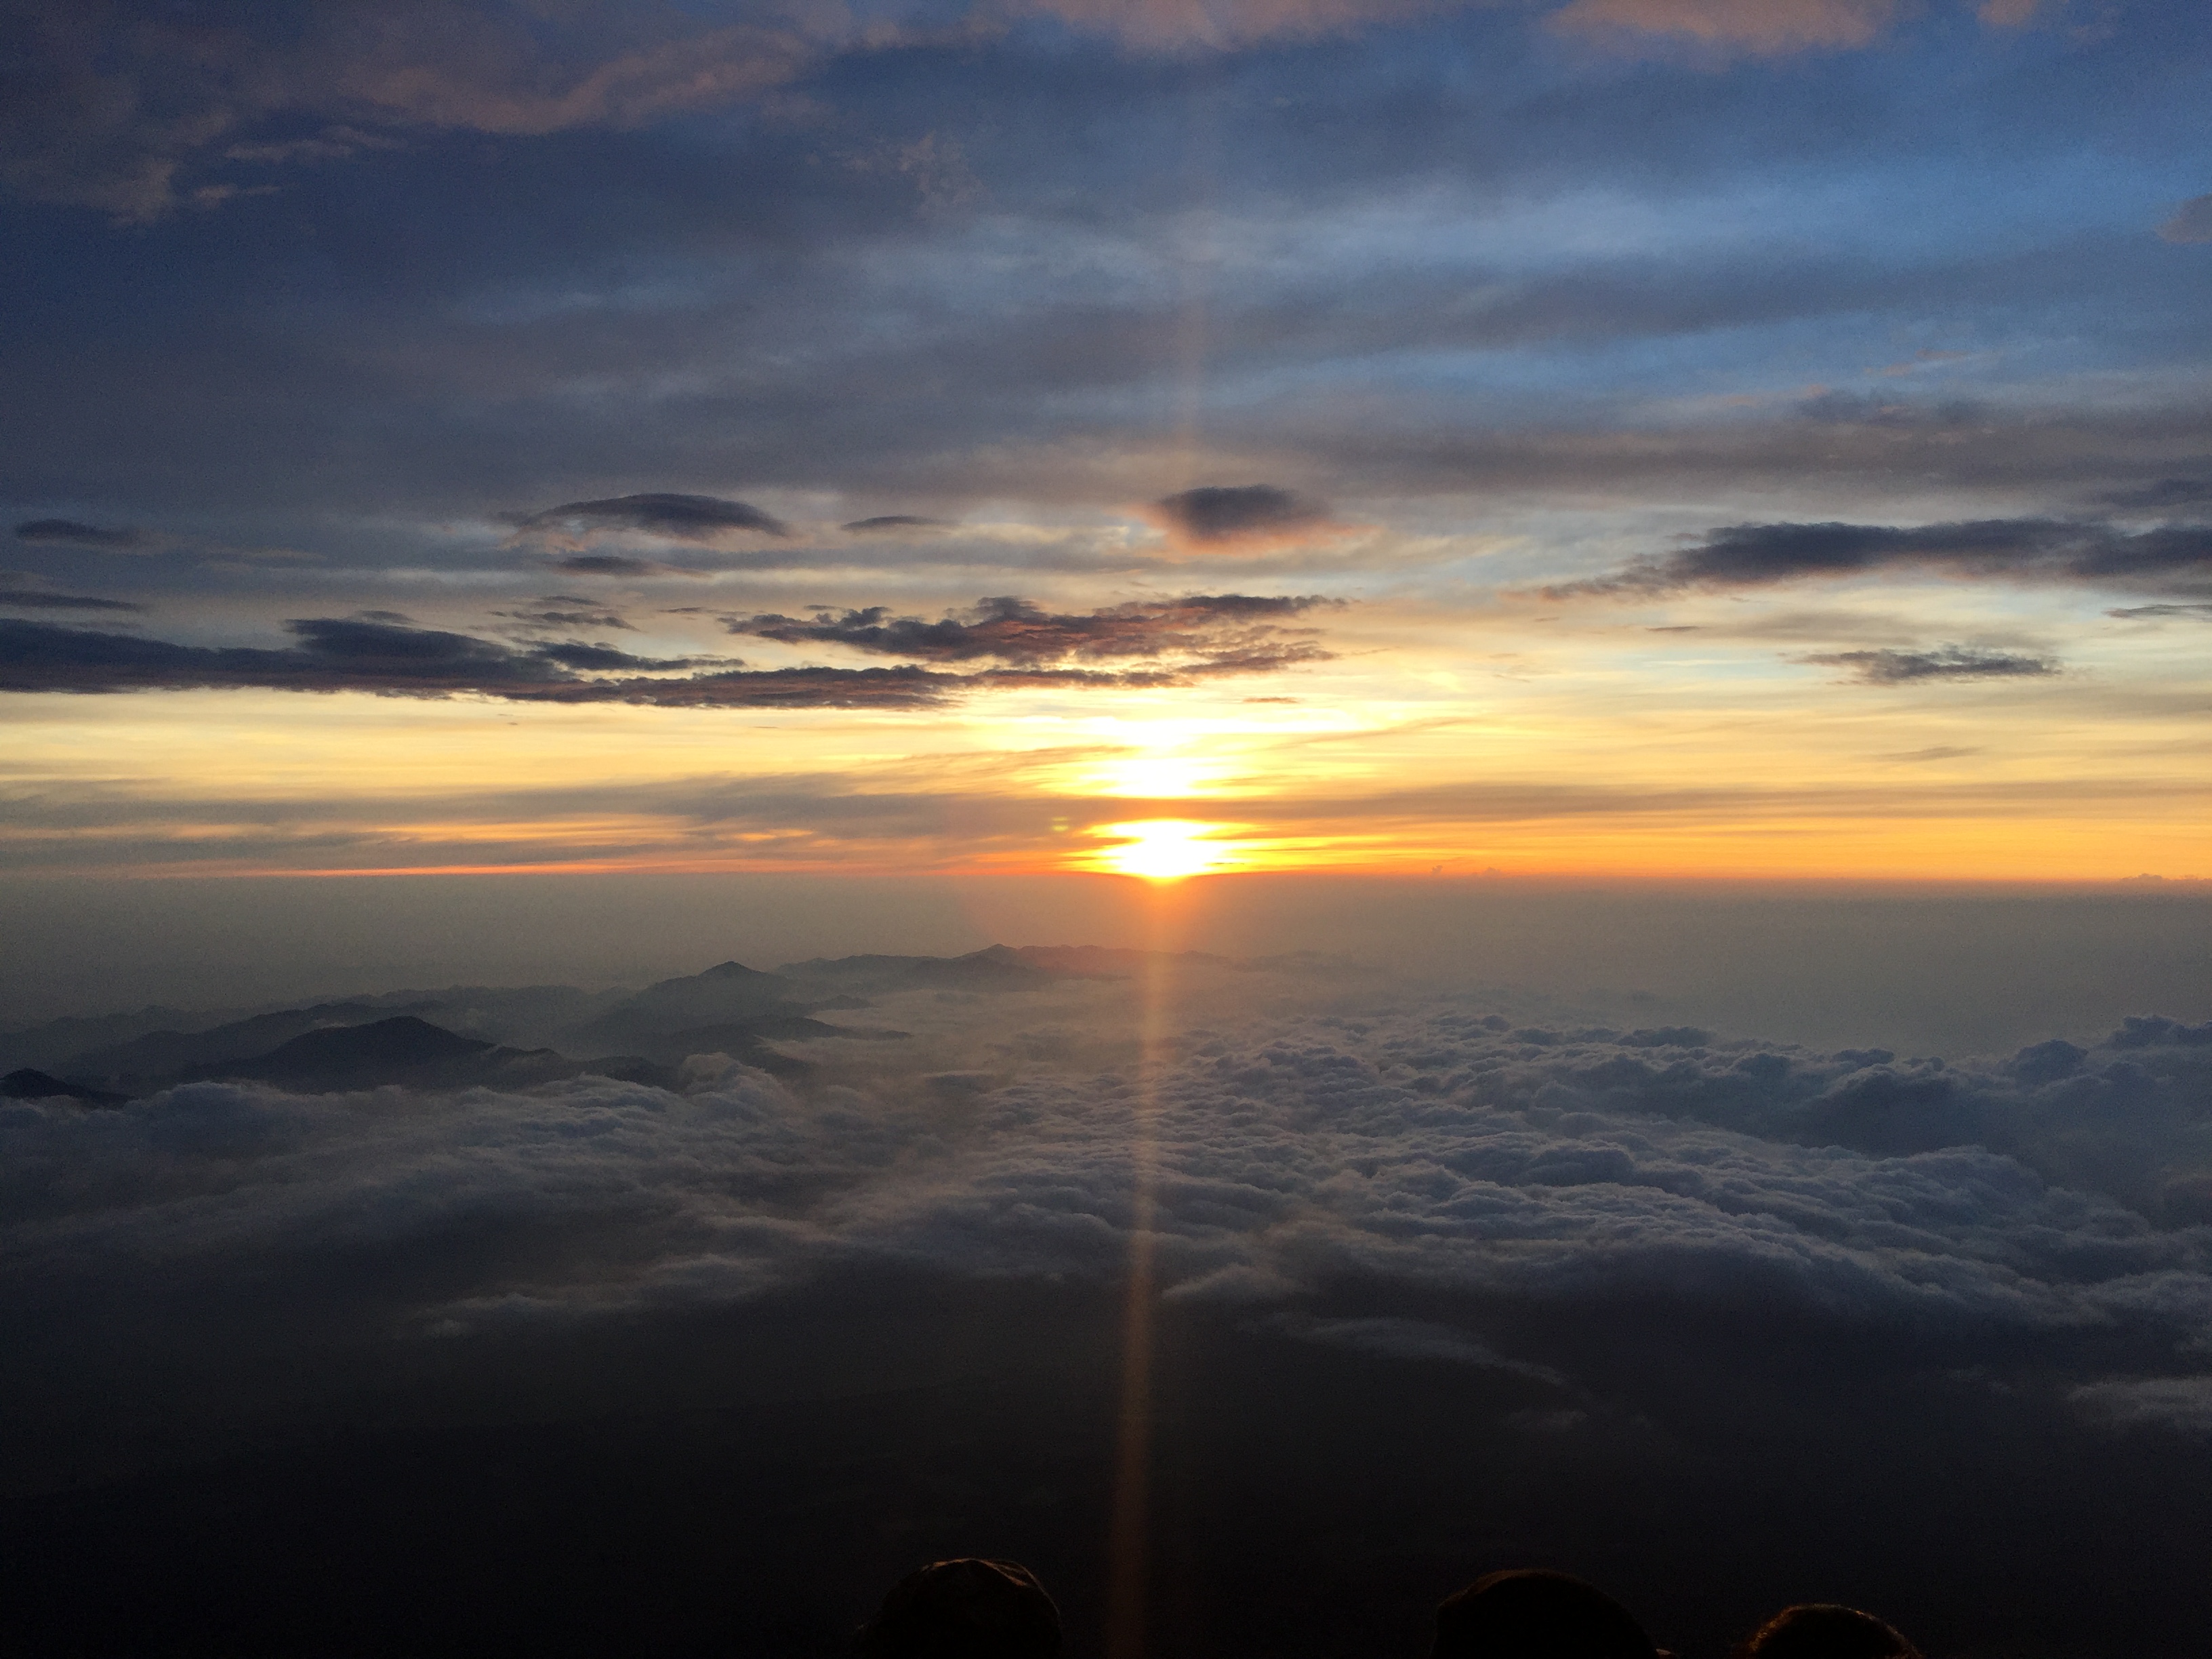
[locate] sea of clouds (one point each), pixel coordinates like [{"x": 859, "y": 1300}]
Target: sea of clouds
[{"x": 1317, "y": 1174}]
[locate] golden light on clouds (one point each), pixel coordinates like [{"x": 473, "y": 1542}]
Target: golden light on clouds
[
  {"x": 1451, "y": 741},
  {"x": 1154, "y": 776}
]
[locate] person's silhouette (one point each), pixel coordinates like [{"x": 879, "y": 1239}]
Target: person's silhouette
[
  {"x": 964, "y": 1609},
  {"x": 1823, "y": 1630},
  {"x": 1531, "y": 1614}
]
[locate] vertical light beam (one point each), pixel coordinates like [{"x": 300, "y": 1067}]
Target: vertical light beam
[{"x": 1128, "y": 1539}]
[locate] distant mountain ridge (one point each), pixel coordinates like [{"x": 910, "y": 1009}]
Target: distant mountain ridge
[
  {"x": 727, "y": 994},
  {"x": 25, "y": 1084},
  {"x": 528, "y": 1034},
  {"x": 169, "y": 1054}
]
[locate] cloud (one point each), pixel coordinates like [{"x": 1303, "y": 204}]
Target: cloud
[
  {"x": 1438, "y": 1152},
  {"x": 2163, "y": 496},
  {"x": 1178, "y": 25},
  {"x": 581, "y": 613},
  {"x": 32, "y": 599},
  {"x": 2191, "y": 222},
  {"x": 131, "y": 107},
  {"x": 1408, "y": 1339},
  {"x": 121, "y": 103},
  {"x": 332, "y": 145},
  {"x": 354, "y": 654},
  {"x": 2139, "y": 613},
  {"x": 1644, "y": 1275},
  {"x": 1217, "y": 633},
  {"x": 891, "y": 522},
  {"x": 72, "y": 533},
  {"x": 2176, "y": 557},
  {"x": 1918, "y": 361},
  {"x": 19, "y": 591},
  {"x": 682, "y": 517},
  {"x": 1762, "y": 28},
  {"x": 333, "y": 654},
  {"x": 1949, "y": 662},
  {"x": 1226, "y": 515},
  {"x": 2179, "y": 1404},
  {"x": 616, "y": 564}
]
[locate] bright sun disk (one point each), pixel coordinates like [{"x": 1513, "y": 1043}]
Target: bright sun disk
[{"x": 1162, "y": 849}]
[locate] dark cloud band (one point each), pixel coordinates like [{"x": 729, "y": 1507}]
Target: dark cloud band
[
  {"x": 71, "y": 532},
  {"x": 353, "y": 654},
  {"x": 684, "y": 518},
  {"x": 18, "y": 593},
  {"x": 887, "y": 523},
  {"x": 1232, "y": 512},
  {"x": 1216, "y": 632},
  {"x": 1950, "y": 662},
  {"x": 2171, "y": 558}
]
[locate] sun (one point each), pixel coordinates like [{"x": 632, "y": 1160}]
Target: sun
[{"x": 1162, "y": 849}]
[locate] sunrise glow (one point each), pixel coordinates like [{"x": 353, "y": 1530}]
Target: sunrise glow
[
  {"x": 1163, "y": 849},
  {"x": 1252, "y": 793}
]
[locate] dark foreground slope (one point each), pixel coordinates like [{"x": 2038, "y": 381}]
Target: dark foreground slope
[{"x": 749, "y": 1484}]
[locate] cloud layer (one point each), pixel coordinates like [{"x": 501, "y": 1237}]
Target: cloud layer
[
  {"x": 2060, "y": 1191},
  {"x": 1612, "y": 1281},
  {"x": 1182, "y": 641},
  {"x": 2170, "y": 558}
]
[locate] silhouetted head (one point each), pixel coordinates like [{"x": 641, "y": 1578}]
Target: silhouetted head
[
  {"x": 1823, "y": 1630},
  {"x": 1534, "y": 1614},
  {"x": 967, "y": 1609}
]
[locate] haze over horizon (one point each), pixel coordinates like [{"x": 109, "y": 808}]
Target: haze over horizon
[{"x": 1266, "y": 799}]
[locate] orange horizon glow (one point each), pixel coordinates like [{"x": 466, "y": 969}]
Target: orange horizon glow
[
  {"x": 1220, "y": 859},
  {"x": 1400, "y": 763}
]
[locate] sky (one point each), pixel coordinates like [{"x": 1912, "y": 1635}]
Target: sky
[
  {"x": 1633, "y": 438},
  {"x": 1598, "y": 608}
]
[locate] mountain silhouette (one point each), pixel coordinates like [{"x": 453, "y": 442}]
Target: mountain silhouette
[
  {"x": 133, "y": 1064},
  {"x": 994, "y": 967},
  {"x": 28, "y": 1084},
  {"x": 728, "y": 994},
  {"x": 410, "y": 1051},
  {"x": 48, "y": 1044}
]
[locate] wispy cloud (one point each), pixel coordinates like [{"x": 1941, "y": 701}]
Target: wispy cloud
[
  {"x": 680, "y": 518},
  {"x": 2191, "y": 222},
  {"x": 1767, "y": 27},
  {"x": 1949, "y": 662},
  {"x": 71, "y": 532},
  {"x": 21, "y": 592}
]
